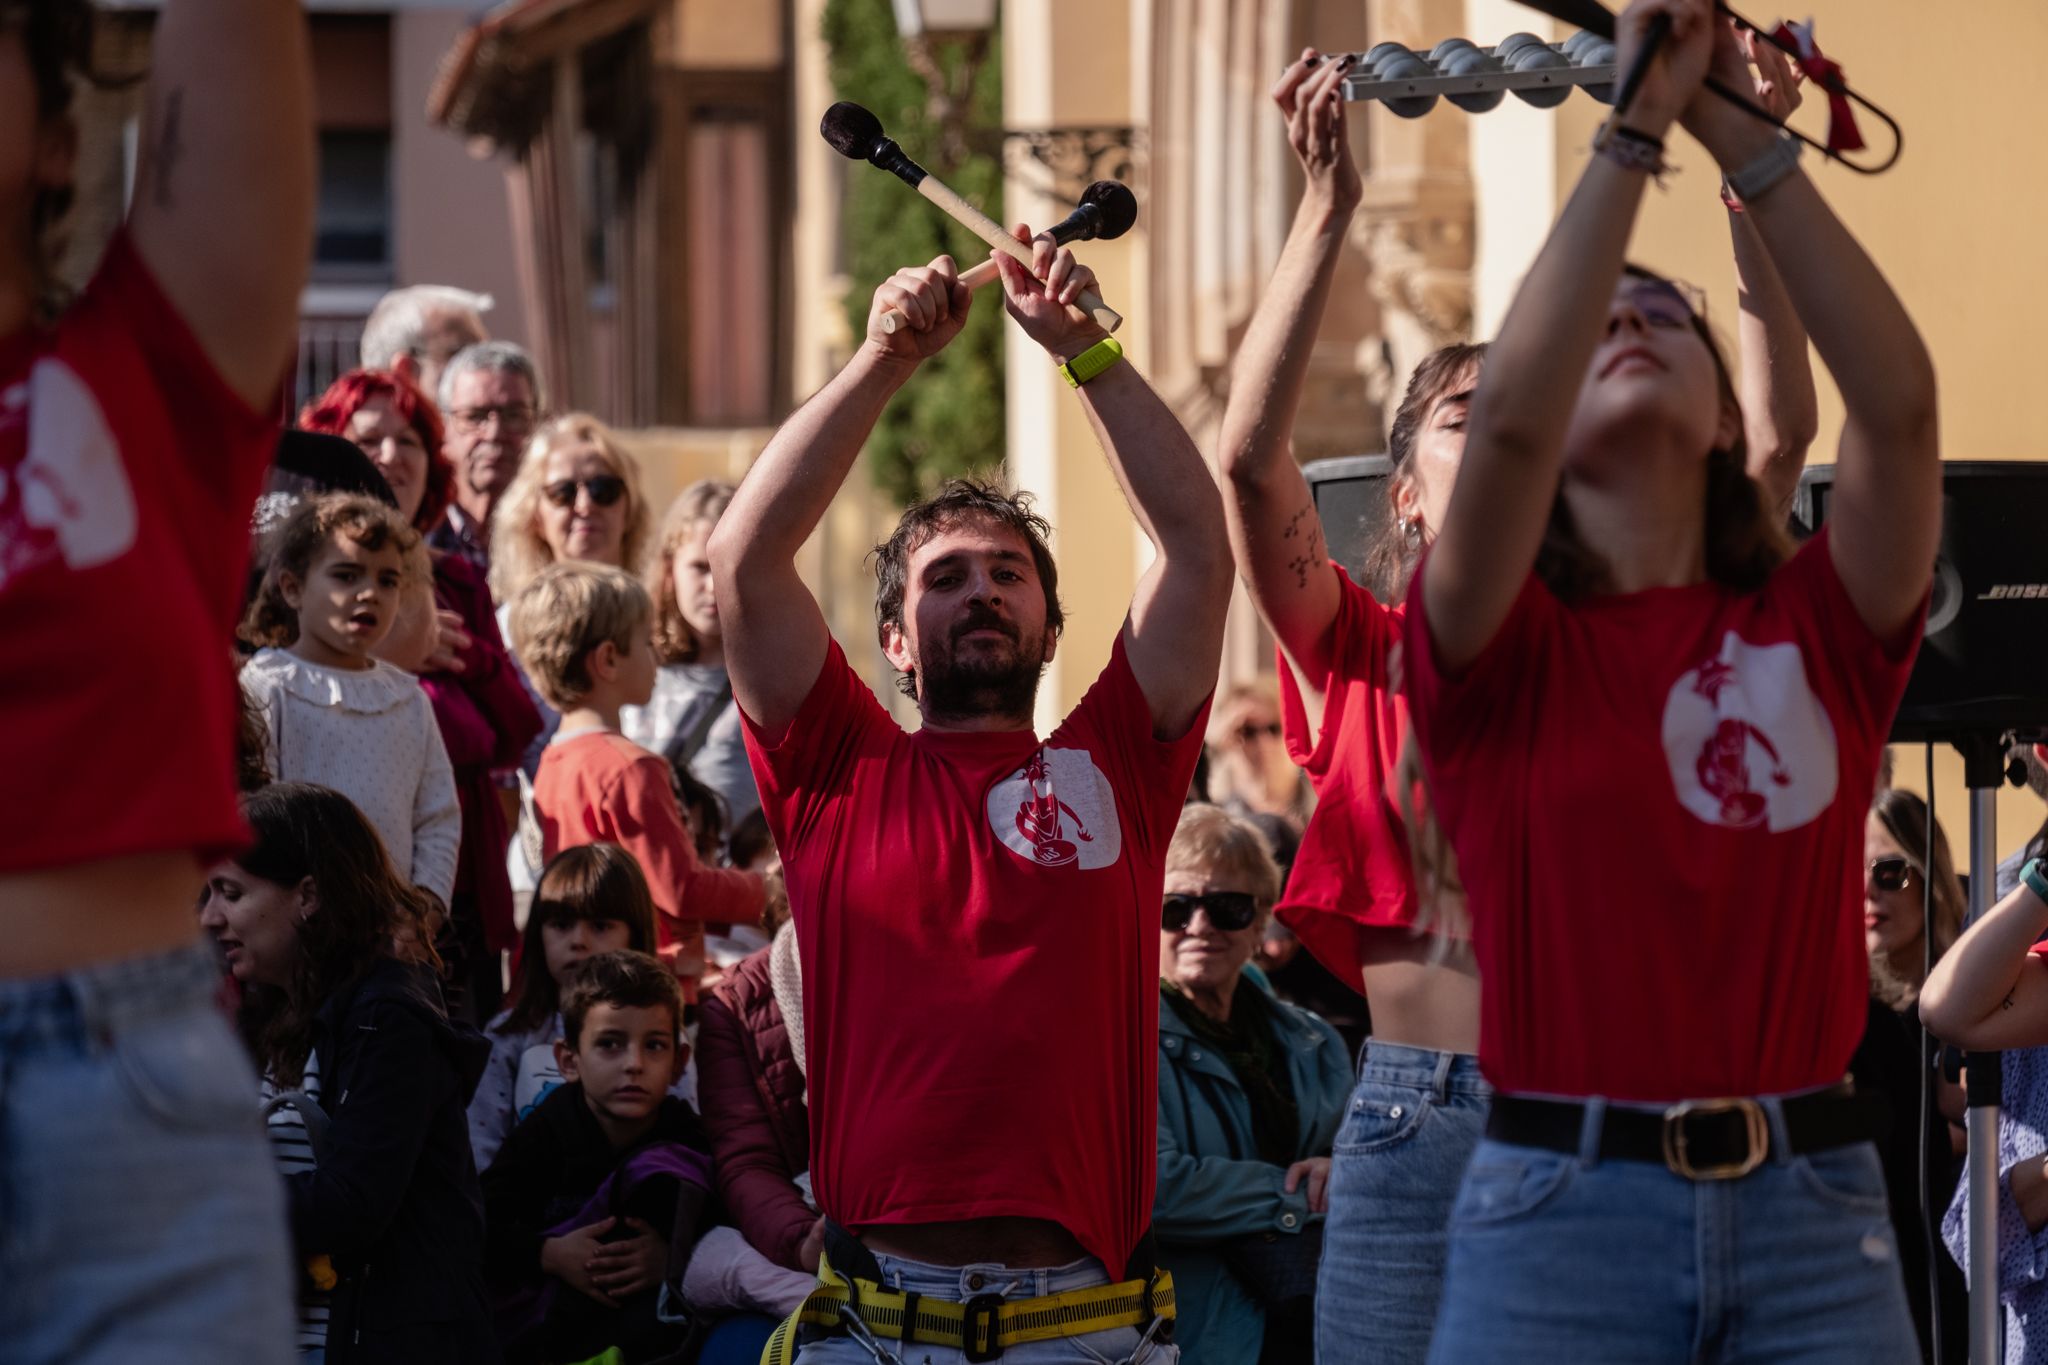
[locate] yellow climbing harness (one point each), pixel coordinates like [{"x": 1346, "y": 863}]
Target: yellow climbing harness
[{"x": 983, "y": 1327}]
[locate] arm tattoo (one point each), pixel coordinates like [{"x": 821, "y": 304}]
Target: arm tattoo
[
  {"x": 1311, "y": 556},
  {"x": 169, "y": 148}
]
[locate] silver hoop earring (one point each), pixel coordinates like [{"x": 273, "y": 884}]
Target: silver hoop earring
[{"x": 1411, "y": 530}]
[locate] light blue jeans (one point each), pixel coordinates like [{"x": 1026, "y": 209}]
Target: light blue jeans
[
  {"x": 1413, "y": 1121},
  {"x": 141, "y": 1218},
  {"x": 1568, "y": 1257},
  {"x": 1118, "y": 1346}
]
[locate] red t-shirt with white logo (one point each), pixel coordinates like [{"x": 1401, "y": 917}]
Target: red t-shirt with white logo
[
  {"x": 1657, "y": 801},
  {"x": 127, "y": 472},
  {"x": 979, "y": 921},
  {"x": 1352, "y": 870}
]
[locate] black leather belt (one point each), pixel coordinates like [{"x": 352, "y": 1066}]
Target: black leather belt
[{"x": 1698, "y": 1139}]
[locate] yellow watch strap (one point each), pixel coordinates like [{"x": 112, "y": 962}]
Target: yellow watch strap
[{"x": 1091, "y": 362}]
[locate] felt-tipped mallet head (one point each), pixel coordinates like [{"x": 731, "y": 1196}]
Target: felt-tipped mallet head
[
  {"x": 1116, "y": 208},
  {"x": 857, "y": 134},
  {"x": 852, "y": 130}
]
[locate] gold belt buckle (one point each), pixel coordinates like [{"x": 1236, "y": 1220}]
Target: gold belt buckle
[{"x": 1679, "y": 1160}]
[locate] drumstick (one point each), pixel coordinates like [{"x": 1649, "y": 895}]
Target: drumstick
[
  {"x": 857, "y": 134},
  {"x": 1106, "y": 211}
]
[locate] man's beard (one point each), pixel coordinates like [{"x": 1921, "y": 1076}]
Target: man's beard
[{"x": 987, "y": 683}]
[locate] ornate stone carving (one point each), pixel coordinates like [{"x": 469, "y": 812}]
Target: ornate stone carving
[{"x": 1069, "y": 160}]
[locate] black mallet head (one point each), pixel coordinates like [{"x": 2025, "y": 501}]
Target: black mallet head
[
  {"x": 1114, "y": 207},
  {"x": 857, "y": 135}
]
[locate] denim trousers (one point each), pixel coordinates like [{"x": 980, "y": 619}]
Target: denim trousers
[
  {"x": 1413, "y": 1121},
  {"x": 141, "y": 1218},
  {"x": 1569, "y": 1257},
  {"x": 1117, "y": 1346}
]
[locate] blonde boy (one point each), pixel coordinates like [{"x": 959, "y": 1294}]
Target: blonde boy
[{"x": 585, "y": 635}]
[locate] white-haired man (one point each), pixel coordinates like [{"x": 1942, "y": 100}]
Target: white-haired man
[{"x": 416, "y": 331}]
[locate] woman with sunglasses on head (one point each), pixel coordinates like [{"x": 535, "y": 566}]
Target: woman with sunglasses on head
[
  {"x": 1905, "y": 865},
  {"x": 485, "y": 715},
  {"x": 1420, "y": 1100},
  {"x": 1251, "y": 1090},
  {"x": 1649, "y": 736}
]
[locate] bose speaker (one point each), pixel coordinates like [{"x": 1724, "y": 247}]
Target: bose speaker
[
  {"x": 1350, "y": 493},
  {"x": 1983, "y": 668}
]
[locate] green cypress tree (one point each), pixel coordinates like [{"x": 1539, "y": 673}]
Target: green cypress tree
[{"x": 949, "y": 420}]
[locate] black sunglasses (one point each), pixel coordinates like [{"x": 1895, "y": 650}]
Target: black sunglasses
[
  {"x": 604, "y": 490},
  {"x": 1227, "y": 910},
  {"x": 1891, "y": 873},
  {"x": 1248, "y": 732}
]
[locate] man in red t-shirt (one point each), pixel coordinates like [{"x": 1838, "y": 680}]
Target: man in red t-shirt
[
  {"x": 977, "y": 909},
  {"x": 141, "y": 1217}
]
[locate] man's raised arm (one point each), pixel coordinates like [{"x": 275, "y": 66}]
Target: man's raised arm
[
  {"x": 1174, "y": 635},
  {"x": 223, "y": 211},
  {"x": 775, "y": 636}
]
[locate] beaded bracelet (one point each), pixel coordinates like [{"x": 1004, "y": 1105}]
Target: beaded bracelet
[{"x": 1633, "y": 151}]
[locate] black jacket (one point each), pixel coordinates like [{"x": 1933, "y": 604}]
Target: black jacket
[
  {"x": 394, "y": 1201},
  {"x": 552, "y": 1163},
  {"x": 549, "y": 1168}
]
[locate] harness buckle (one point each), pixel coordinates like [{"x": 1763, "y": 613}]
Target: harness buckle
[
  {"x": 1756, "y": 1133},
  {"x": 978, "y": 1328}
]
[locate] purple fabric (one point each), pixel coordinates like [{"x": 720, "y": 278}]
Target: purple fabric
[{"x": 527, "y": 1309}]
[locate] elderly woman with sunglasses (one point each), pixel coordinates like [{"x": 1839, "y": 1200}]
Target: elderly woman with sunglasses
[{"x": 1251, "y": 1091}]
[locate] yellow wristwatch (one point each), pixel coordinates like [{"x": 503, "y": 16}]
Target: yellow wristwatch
[{"x": 1091, "y": 362}]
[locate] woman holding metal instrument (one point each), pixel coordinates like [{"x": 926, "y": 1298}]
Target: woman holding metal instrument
[
  {"x": 1650, "y": 734},
  {"x": 1420, "y": 1100}
]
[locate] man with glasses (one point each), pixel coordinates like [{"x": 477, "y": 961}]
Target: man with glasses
[{"x": 490, "y": 395}]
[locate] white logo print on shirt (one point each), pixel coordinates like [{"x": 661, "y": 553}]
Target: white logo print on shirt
[
  {"x": 1748, "y": 743},
  {"x": 1057, "y": 810},
  {"x": 69, "y": 495}
]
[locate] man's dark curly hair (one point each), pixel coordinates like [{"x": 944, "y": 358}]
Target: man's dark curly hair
[{"x": 960, "y": 500}]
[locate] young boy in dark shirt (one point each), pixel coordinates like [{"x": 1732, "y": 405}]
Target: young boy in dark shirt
[{"x": 591, "y": 1190}]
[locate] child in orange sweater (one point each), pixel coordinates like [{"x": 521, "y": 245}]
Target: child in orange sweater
[{"x": 585, "y": 634}]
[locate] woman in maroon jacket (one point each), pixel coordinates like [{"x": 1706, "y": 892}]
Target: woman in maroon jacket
[{"x": 750, "y": 1082}]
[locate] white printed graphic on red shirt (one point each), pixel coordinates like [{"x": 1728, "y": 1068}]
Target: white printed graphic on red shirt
[
  {"x": 1057, "y": 811},
  {"x": 1749, "y": 745},
  {"x": 68, "y": 494}
]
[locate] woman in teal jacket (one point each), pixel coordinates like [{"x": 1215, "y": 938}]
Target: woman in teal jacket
[{"x": 1251, "y": 1090}]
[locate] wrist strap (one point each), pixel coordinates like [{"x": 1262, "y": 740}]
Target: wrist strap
[
  {"x": 2036, "y": 880},
  {"x": 1765, "y": 171},
  {"x": 1097, "y": 358},
  {"x": 1632, "y": 150}
]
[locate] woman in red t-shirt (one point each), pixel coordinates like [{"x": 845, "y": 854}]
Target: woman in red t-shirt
[
  {"x": 1420, "y": 1101},
  {"x": 1650, "y": 739},
  {"x": 135, "y": 425}
]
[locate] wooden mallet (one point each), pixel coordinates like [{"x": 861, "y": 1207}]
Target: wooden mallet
[
  {"x": 1106, "y": 211},
  {"x": 857, "y": 135}
]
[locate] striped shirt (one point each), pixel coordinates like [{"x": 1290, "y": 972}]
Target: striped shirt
[{"x": 294, "y": 1152}]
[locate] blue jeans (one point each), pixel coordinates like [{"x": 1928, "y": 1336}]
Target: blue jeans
[
  {"x": 141, "y": 1217},
  {"x": 1413, "y": 1121},
  {"x": 1117, "y": 1346},
  {"x": 1568, "y": 1257}
]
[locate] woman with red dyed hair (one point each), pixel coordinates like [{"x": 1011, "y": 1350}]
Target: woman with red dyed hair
[
  {"x": 486, "y": 717},
  {"x": 399, "y": 429}
]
